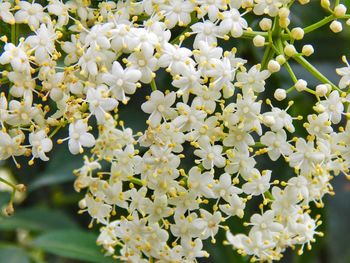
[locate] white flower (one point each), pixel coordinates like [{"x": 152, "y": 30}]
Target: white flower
[
  {"x": 318, "y": 125},
  {"x": 212, "y": 224},
  {"x": 16, "y": 56},
  {"x": 277, "y": 144},
  {"x": 10, "y": 146},
  {"x": 201, "y": 183},
  {"x": 253, "y": 79},
  {"x": 97, "y": 209},
  {"x": 122, "y": 82},
  {"x": 211, "y": 155},
  {"x": 212, "y": 8},
  {"x": 99, "y": 103},
  {"x": 333, "y": 106},
  {"x": 205, "y": 31},
  {"x": 234, "y": 206},
  {"x": 224, "y": 187},
  {"x": 158, "y": 209},
  {"x": 187, "y": 227},
  {"x": 177, "y": 12},
  {"x": 59, "y": 9},
  {"x": 257, "y": 183},
  {"x": 79, "y": 137},
  {"x": 159, "y": 107},
  {"x": 175, "y": 58},
  {"x": 5, "y": 13},
  {"x": 31, "y": 14},
  {"x": 145, "y": 62},
  {"x": 268, "y": 7},
  {"x": 41, "y": 144},
  {"x": 265, "y": 223},
  {"x": 344, "y": 72},
  {"x": 233, "y": 22},
  {"x": 42, "y": 43}
]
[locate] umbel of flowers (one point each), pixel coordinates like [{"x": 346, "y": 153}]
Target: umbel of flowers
[{"x": 80, "y": 62}]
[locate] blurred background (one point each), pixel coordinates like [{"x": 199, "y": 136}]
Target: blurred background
[{"x": 47, "y": 228}]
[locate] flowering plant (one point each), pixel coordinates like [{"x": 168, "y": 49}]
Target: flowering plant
[{"x": 212, "y": 131}]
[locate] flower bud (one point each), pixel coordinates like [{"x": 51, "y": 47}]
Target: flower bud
[
  {"x": 300, "y": 85},
  {"x": 259, "y": 41},
  {"x": 304, "y": 2},
  {"x": 297, "y": 33},
  {"x": 290, "y": 50},
  {"x": 82, "y": 203},
  {"x": 321, "y": 90},
  {"x": 269, "y": 120},
  {"x": 325, "y": 4},
  {"x": 284, "y": 22},
  {"x": 9, "y": 210},
  {"x": 340, "y": 10},
  {"x": 319, "y": 108},
  {"x": 336, "y": 26},
  {"x": 280, "y": 94},
  {"x": 265, "y": 24},
  {"x": 21, "y": 188},
  {"x": 273, "y": 66},
  {"x": 307, "y": 50},
  {"x": 284, "y": 12},
  {"x": 281, "y": 59}
]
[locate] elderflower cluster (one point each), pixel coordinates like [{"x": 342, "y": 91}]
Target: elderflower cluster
[{"x": 81, "y": 62}]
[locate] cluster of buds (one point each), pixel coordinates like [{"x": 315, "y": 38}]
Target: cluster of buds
[{"x": 81, "y": 62}]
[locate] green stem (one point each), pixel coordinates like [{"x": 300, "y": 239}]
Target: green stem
[
  {"x": 319, "y": 24},
  {"x": 8, "y": 183},
  {"x": 290, "y": 71},
  {"x": 136, "y": 181},
  {"x": 153, "y": 85},
  {"x": 269, "y": 195},
  {"x": 55, "y": 131},
  {"x": 309, "y": 67},
  {"x": 252, "y": 34}
]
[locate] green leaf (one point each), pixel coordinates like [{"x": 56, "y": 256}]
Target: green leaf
[
  {"x": 13, "y": 254},
  {"x": 59, "y": 170},
  {"x": 37, "y": 219},
  {"x": 72, "y": 244}
]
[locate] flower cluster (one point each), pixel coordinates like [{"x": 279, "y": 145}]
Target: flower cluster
[{"x": 81, "y": 63}]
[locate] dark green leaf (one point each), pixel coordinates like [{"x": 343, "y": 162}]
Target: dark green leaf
[
  {"x": 13, "y": 254},
  {"x": 72, "y": 244},
  {"x": 59, "y": 170},
  {"x": 37, "y": 219}
]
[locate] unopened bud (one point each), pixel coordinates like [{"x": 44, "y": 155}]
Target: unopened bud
[
  {"x": 290, "y": 50},
  {"x": 280, "y": 94},
  {"x": 336, "y": 26},
  {"x": 284, "y": 22},
  {"x": 325, "y": 4},
  {"x": 283, "y": 12},
  {"x": 304, "y": 2},
  {"x": 321, "y": 90},
  {"x": 9, "y": 210},
  {"x": 269, "y": 120},
  {"x": 265, "y": 24},
  {"x": 82, "y": 203},
  {"x": 307, "y": 50},
  {"x": 300, "y": 85},
  {"x": 297, "y": 33},
  {"x": 340, "y": 10},
  {"x": 21, "y": 188},
  {"x": 273, "y": 66},
  {"x": 281, "y": 59},
  {"x": 259, "y": 41}
]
